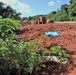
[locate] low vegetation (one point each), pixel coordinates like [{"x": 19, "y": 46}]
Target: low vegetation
[
  {"x": 26, "y": 58},
  {"x": 20, "y": 57}
]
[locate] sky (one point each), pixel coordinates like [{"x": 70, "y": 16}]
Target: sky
[{"x": 35, "y": 7}]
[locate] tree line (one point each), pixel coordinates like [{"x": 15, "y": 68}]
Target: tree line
[{"x": 67, "y": 12}]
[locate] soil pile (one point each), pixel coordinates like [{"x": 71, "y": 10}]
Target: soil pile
[{"x": 66, "y": 40}]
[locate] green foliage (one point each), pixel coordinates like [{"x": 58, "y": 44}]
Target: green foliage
[
  {"x": 0, "y": 17},
  {"x": 51, "y": 15},
  {"x": 34, "y": 18},
  {"x": 21, "y": 56},
  {"x": 46, "y": 52},
  {"x": 7, "y": 28},
  {"x": 55, "y": 50},
  {"x": 9, "y": 12},
  {"x": 72, "y": 8},
  {"x": 66, "y": 13},
  {"x": 58, "y": 50},
  {"x": 29, "y": 58},
  {"x": 24, "y": 18},
  {"x": 7, "y": 37},
  {"x": 24, "y": 56},
  {"x": 38, "y": 67}
]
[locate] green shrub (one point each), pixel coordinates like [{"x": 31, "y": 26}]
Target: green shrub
[
  {"x": 8, "y": 28},
  {"x": 24, "y": 56},
  {"x": 58, "y": 50},
  {"x": 21, "y": 56}
]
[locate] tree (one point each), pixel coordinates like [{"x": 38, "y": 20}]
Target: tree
[
  {"x": 1, "y": 8},
  {"x": 72, "y": 10},
  {"x": 66, "y": 13},
  {"x": 29, "y": 18},
  {"x": 51, "y": 15},
  {"x": 9, "y": 12},
  {"x": 24, "y": 18},
  {"x": 17, "y": 16}
]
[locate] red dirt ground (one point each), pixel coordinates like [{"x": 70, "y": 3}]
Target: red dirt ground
[{"x": 66, "y": 40}]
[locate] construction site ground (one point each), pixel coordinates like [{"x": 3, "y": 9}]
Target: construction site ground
[{"x": 66, "y": 40}]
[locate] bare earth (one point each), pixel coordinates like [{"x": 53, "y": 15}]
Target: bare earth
[{"x": 66, "y": 40}]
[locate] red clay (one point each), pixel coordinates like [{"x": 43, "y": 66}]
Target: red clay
[{"x": 66, "y": 40}]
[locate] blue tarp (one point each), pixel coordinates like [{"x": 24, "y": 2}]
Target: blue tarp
[{"x": 52, "y": 34}]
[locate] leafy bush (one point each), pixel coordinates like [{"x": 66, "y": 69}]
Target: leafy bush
[
  {"x": 18, "y": 55},
  {"x": 7, "y": 28},
  {"x": 58, "y": 50},
  {"x": 23, "y": 56},
  {"x": 55, "y": 50}
]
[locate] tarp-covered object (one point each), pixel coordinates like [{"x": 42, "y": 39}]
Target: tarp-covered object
[{"x": 52, "y": 34}]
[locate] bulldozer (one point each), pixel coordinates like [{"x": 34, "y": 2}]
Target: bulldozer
[
  {"x": 40, "y": 20},
  {"x": 43, "y": 20},
  {"x": 50, "y": 21}
]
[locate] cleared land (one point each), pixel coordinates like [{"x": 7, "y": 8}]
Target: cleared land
[
  {"x": 69, "y": 22},
  {"x": 66, "y": 40}
]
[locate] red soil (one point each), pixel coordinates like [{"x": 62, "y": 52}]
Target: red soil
[{"x": 66, "y": 40}]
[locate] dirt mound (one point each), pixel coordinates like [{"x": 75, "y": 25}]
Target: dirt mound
[
  {"x": 66, "y": 40},
  {"x": 25, "y": 22}
]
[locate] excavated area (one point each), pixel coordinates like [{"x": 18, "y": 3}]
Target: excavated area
[{"x": 67, "y": 39}]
